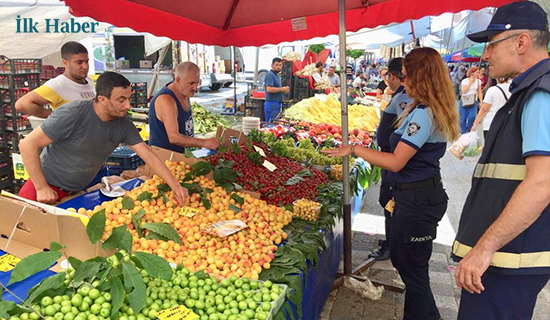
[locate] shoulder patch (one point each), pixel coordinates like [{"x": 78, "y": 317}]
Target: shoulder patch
[
  {"x": 403, "y": 105},
  {"x": 413, "y": 129}
]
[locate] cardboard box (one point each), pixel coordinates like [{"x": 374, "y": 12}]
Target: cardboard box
[
  {"x": 122, "y": 64},
  {"x": 145, "y": 64},
  {"x": 25, "y": 223},
  {"x": 229, "y": 136}
]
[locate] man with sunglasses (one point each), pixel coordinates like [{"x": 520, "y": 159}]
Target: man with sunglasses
[
  {"x": 397, "y": 105},
  {"x": 503, "y": 240}
]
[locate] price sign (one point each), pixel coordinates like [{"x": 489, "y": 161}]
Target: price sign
[
  {"x": 188, "y": 212},
  {"x": 270, "y": 166},
  {"x": 177, "y": 313},
  {"x": 8, "y": 262}
]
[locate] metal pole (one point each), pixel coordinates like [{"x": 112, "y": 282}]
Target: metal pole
[
  {"x": 256, "y": 67},
  {"x": 345, "y": 136},
  {"x": 234, "y": 79}
]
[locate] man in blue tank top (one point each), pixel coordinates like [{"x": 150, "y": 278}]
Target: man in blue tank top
[{"x": 170, "y": 114}]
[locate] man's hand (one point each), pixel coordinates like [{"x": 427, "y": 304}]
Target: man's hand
[
  {"x": 181, "y": 194},
  {"x": 474, "y": 128},
  {"x": 286, "y": 89},
  {"x": 471, "y": 268},
  {"x": 46, "y": 195},
  {"x": 212, "y": 143}
]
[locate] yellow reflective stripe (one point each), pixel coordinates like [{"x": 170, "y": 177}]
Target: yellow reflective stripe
[
  {"x": 502, "y": 171},
  {"x": 509, "y": 260}
]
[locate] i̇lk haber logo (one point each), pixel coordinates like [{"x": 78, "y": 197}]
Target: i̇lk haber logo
[{"x": 28, "y": 25}]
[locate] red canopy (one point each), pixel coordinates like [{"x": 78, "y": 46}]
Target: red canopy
[{"x": 256, "y": 22}]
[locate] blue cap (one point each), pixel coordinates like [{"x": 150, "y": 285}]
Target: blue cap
[{"x": 514, "y": 16}]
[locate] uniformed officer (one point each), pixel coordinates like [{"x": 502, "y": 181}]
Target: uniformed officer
[
  {"x": 504, "y": 231},
  {"x": 416, "y": 147},
  {"x": 397, "y": 105}
]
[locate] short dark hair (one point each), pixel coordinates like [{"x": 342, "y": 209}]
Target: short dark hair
[
  {"x": 318, "y": 64},
  {"x": 332, "y": 67},
  {"x": 276, "y": 59},
  {"x": 107, "y": 82},
  {"x": 71, "y": 48}
]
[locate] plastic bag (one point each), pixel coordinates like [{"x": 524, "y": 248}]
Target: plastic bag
[
  {"x": 468, "y": 145},
  {"x": 365, "y": 288}
]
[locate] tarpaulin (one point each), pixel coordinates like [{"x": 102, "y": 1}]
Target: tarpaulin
[{"x": 256, "y": 23}]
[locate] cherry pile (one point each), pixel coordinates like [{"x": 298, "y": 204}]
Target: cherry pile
[{"x": 272, "y": 186}]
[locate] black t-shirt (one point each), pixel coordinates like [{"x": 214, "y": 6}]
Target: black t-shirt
[{"x": 382, "y": 86}]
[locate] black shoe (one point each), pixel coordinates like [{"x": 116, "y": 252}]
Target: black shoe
[{"x": 380, "y": 255}]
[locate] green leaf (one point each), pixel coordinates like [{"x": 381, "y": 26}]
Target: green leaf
[
  {"x": 127, "y": 203},
  {"x": 135, "y": 220},
  {"x": 133, "y": 280},
  {"x": 201, "y": 168},
  {"x": 201, "y": 274},
  {"x": 217, "y": 175},
  {"x": 115, "y": 238},
  {"x": 75, "y": 263},
  {"x": 164, "y": 230},
  {"x": 5, "y": 308},
  {"x": 56, "y": 246},
  {"x": 228, "y": 174},
  {"x": 33, "y": 264},
  {"x": 145, "y": 196},
  {"x": 117, "y": 294},
  {"x": 188, "y": 154},
  {"x": 155, "y": 265},
  {"x": 205, "y": 202},
  {"x": 96, "y": 226},
  {"x": 234, "y": 208},
  {"x": 126, "y": 243},
  {"x": 165, "y": 199},
  {"x": 88, "y": 269},
  {"x": 238, "y": 199},
  {"x": 51, "y": 283},
  {"x": 155, "y": 236},
  {"x": 163, "y": 188}
]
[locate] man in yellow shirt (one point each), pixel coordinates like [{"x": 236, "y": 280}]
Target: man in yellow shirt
[{"x": 73, "y": 84}]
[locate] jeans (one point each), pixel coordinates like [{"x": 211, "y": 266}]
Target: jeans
[
  {"x": 271, "y": 110},
  {"x": 467, "y": 116}
]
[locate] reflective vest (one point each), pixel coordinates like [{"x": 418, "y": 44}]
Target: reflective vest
[{"x": 500, "y": 170}]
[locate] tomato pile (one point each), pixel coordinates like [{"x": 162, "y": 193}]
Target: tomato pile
[{"x": 275, "y": 187}]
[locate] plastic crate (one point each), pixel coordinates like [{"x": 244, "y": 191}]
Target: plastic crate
[
  {"x": 286, "y": 73},
  {"x": 301, "y": 93},
  {"x": 6, "y": 183},
  {"x": 123, "y": 158},
  {"x": 301, "y": 82},
  {"x": 20, "y": 81},
  {"x": 20, "y": 66},
  {"x": 6, "y": 170}
]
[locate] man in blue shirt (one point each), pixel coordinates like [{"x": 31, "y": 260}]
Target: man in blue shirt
[
  {"x": 274, "y": 90},
  {"x": 503, "y": 240}
]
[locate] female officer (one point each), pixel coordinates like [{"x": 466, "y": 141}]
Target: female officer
[{"x": 420, "y": 200}]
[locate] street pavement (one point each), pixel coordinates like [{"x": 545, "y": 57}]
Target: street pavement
[
  {"x": 214, "y": 100},
  {"x": 345, "y": 304}
]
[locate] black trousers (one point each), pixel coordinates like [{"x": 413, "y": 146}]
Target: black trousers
[
  {"x": 385, "y": 196},
  {"x": 414, "y": 224}
]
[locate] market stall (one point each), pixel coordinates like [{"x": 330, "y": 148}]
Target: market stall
[{"x": 292, "y": 263}]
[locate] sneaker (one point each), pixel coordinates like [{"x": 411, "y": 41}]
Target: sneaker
[{"x": 380, "y": 255}]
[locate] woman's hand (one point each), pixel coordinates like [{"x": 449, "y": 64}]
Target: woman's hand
[{"x": 338, "y": 152}]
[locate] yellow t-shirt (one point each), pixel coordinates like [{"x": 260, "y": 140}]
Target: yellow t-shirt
[{"x": 61, "y": 90}]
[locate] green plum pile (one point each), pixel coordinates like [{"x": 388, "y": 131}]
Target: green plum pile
[{"x": 210, "y": 299}]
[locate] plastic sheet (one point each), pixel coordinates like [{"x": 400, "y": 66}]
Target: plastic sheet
[
  {"x": 91, "y": 199},
  {"x": 21, "y": 289}
]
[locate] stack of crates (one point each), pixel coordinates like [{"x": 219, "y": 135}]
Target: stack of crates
[
  {"x": 301, "y": 89},
  {"x": 6, "y": 168},
  {"x": 287, "y": 79},
  {"x": 17, "y": 77},
  {"x": 139, "y": 95},
  {"x": 122, "y": 159}
]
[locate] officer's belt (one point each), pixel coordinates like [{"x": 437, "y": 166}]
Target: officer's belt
[
  {"x": 430, "y": 182},
  {"x": 502, "y": 171},
  {"x": 509, "y": 260}
]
